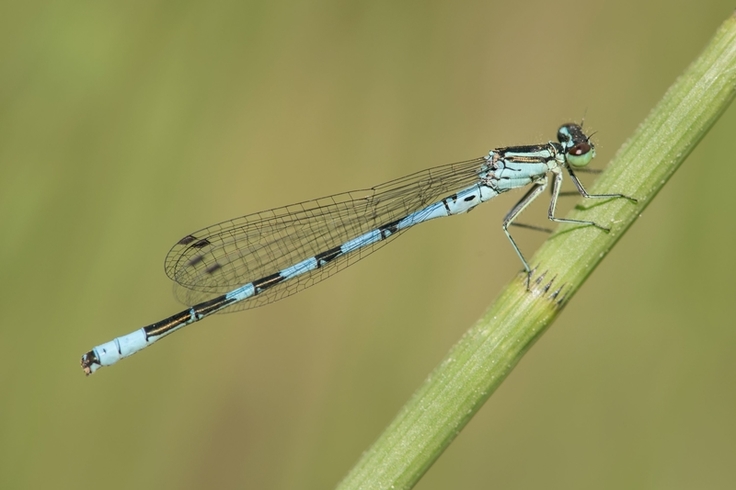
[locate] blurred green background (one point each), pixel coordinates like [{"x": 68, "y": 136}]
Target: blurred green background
[{"x": 126, "y": 125}]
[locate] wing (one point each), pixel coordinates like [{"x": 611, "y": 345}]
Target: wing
[{"x": 222, "y": 257}]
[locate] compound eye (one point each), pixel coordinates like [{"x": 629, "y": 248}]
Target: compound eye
[
  {"x": 579, "y": 150},
  {"x": 580, "y": 155}
]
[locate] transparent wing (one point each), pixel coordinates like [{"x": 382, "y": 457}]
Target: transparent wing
[{"x": 222, "y": 257}]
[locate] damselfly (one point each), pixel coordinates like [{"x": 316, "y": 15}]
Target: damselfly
[{"x": 263, "y": 257}]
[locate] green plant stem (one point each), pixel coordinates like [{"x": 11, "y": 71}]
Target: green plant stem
[{"x": 486, "y": 354}]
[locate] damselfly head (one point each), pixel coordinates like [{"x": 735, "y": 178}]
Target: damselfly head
[{"x": 579, "y": 150}]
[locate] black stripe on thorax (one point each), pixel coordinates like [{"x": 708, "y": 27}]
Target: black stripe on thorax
[
  {"x": 523, "y": 149},
  {"x": 526, "y": 154}
]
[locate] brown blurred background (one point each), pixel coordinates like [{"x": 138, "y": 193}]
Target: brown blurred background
[{"x": 126, "y": 125}]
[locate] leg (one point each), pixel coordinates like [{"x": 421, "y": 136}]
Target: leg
[
  {"x": 563, "y": 194},
  {"x": 584, "y": 170},
  {"x": 584, "y": 193},
  {"x": 556, "y": 184},
  {"x": 520, "y": 206},
  {"x": 532, "y": 227},
  {"x": 556, "y": 192}
]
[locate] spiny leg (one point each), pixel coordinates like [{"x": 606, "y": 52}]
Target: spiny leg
[
  {"x": 560, "y": 194},
  {"x": 584, "y": 170},
  {"x": 520, "y": 206},
  {"x": 584, "y": 193},
  {"x": 557, "y": 183},
  {"x": 532, "y": 227}
]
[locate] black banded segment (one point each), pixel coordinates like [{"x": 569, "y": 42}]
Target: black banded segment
[
  {"x": 160, "y": 328},
  {"x": 324, "y": 258},
  {"x": 187, "y": 316},
  {"x": 264, "y": 283},
  {"x": 211, "y": 306}
]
